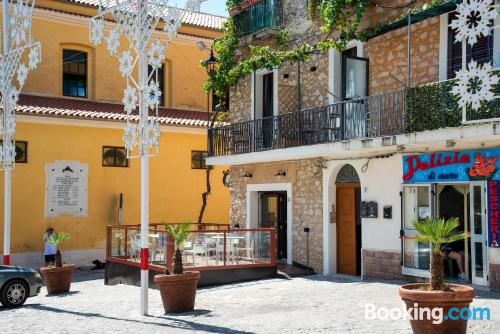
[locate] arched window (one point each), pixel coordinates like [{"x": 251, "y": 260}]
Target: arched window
[{"x": 347, "y": 174}]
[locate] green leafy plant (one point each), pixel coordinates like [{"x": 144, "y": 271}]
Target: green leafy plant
[
  {"x": 57, "y": 239},
  {"x": 180, "y": 233},
  {"x": 341, "y": 19},
  {"x": 438, "y": 232}
]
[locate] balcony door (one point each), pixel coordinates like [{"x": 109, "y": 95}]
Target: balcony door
[
  {"x": 264, "y": 110},
  {"x": 354, "y": 88}
]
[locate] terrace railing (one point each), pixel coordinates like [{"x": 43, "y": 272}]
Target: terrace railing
[
  {"x": 370, "y": 116},
  {"x": 425, "y": 107},
  {"x": 206, "y": 249},
  {"x": 263, "y": 15}
]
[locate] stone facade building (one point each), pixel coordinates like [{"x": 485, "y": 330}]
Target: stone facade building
[{"x": 337, "y": 135}]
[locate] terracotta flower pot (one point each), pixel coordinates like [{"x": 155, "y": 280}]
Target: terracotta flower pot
[
  {"x": 57, "y": 280},
  {"x": 460, "y": 297},
  {"x": 178, "y": 292}
]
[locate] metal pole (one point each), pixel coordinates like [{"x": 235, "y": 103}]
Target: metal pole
[
  {"x": 408, "y": 74},
  {"x": 143, "y": 119},
  {"x": 7, "y": 172}
]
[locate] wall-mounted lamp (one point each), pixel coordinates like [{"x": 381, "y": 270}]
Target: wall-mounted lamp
[
  {"x": 247, "y": 176},
  {"x": 280, "y": 173}
]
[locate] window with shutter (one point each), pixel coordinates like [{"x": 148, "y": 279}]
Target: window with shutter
[{"x": 482, "y": 51}]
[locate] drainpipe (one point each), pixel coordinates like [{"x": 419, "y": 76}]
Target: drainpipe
[
  {"x": 299, "y": 98},
  {"x": 408, "y": 70}
]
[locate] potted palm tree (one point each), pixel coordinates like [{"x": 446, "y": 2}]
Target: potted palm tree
[
  {"x": 58, "y": 277},
  {"x": 178, "y": 289},
  {"x": 437, "y": 293}
]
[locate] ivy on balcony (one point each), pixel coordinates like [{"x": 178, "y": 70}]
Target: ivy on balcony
[{"x": 433, "y": 106}]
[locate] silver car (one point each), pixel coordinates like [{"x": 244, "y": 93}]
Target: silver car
[{"x": 17, "y": 284}]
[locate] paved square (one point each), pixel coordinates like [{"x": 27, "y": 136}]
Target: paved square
[{"x": 312, "y": 304}]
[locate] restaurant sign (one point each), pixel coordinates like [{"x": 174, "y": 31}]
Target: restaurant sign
[{"x": 473, "y": 165}]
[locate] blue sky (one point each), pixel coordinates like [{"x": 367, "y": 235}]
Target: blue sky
[{"x": 217, "y": 7}]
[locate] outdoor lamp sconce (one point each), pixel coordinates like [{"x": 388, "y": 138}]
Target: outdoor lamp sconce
[
  {"x": 280, "y": 173},
  {"x": 247, "y": 176}
]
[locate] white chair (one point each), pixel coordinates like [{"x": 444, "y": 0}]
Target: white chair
[
  {"x": 250, "y": 250},
  {"x": 195, "y": 249}
]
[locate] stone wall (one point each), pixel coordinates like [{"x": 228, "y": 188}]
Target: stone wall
[
  {"x": 307, "y": 194},
  {"x": 388, "y": 57},
  {"x": 308, "y": 212},
  {"x": 240, "y": 100},
  {"x": 382, "y": 265},
  {"x": 494, "y": 276}
]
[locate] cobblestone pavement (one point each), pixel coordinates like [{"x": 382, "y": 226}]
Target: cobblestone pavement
[{"x": 311, "y": 304}]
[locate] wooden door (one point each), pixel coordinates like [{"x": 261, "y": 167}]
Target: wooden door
[{"x": 346, "y": 229}]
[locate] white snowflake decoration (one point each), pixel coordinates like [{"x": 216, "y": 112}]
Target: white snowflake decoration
[
  {"x": 136, "y": 21},
  {"x": 130, "y": 136},
  {"x": 22, "y": 55},
  {"x": 126, "y": 63},
  {"x": 473, "y": 20},
  {"x": 172, "y": 22},
  {"x": 19, "y": 23},
  {"x": 34, "y": 57},
  {"x": 22, "y": 74},
  {"x": 130, "y": 99},
  {"x": 13, "y": 97},
  {"x": 113, "y": 41},
  {"x": 156, "y": 54},
  {"x": 475, "y": 85},
  {"x": 152, "y": 134},
  {"x": 152, "y": 94},
  {"x": 96, "y": 31}
]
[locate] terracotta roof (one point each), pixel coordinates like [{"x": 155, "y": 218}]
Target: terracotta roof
[
  {"x": 204, "y": 20},
  {"x": 103, "y": 111}
]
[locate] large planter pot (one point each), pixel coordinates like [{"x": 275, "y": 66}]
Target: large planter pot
[
  {"x": 178, "y": 292},
  {"x": 58, "y": 280},
  {"x": 459, "y": 296}
]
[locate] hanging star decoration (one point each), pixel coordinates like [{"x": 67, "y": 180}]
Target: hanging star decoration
[
  {"x": 22, "y": 55},
  {"x": 135, "y": 21},
  {"x": 474, "y": 81}
]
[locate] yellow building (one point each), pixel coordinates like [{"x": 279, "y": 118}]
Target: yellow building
[{"x": 71, "y": 110}]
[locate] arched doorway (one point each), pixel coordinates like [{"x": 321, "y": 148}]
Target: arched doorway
[{"x": 348, "y": 198}]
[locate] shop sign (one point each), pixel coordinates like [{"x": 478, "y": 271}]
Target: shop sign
[
  {"x": 493, "y": 192},
  {"x": 473, "y": 165}
]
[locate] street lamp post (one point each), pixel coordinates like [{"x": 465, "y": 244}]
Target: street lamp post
[
  {"x": 19, "y": 55},
  {"x": 136, "y": 21}
]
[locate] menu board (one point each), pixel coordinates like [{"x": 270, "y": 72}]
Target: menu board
[{"x": 66, "y": 189}]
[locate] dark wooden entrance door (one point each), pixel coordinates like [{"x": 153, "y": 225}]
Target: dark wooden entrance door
[
  {"x": 346, "y": 229},
  {"x": 274, "y": 214}
]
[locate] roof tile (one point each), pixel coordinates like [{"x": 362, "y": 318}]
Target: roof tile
[{"x": 84, "y": 109}]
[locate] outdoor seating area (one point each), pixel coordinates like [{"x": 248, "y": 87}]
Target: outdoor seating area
[{"x": 209, "y": 247}]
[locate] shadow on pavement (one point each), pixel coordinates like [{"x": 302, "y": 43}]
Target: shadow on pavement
[{"x": 175, "y": 323}]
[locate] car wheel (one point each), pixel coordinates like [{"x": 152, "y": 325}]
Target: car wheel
[{"x": 14, "y": 293}]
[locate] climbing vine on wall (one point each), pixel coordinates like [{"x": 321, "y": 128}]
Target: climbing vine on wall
[{"x": 340, "y": 20}]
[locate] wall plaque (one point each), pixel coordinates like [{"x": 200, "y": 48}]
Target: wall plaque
[{"x": 66, "y": 189}]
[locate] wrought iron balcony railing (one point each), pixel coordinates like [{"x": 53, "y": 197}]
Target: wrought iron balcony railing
[
  {"x": 420, "y": 108},
  {"x": 263, "y": 15},
  {"x": 370, "y": 116}
]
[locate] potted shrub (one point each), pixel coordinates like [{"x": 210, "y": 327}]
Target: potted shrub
[
  {"x": 58, "y": 278},
  {"x": 437, "y": 293},
  {"x": 178, "y": 289}
]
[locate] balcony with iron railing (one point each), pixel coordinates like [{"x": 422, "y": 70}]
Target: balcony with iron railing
[
  {"x": 260, "y": 16},
  {"x": 420, "y": 108}
]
